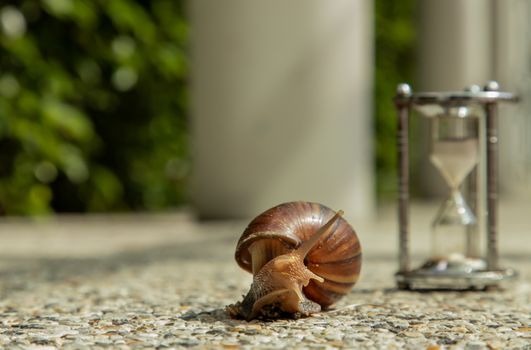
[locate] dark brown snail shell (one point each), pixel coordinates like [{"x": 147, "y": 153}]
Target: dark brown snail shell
[{"x": 336, "y": 256}]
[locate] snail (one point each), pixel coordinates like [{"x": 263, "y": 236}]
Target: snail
[{"x": 303, "y": 256}]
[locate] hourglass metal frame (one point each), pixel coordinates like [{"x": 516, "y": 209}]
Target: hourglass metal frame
[{"x": 486, "y": 99}]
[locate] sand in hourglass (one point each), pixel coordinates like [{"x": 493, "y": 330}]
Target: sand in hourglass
[{"x": 455, "y": 158}]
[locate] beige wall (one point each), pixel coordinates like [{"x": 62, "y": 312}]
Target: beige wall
[{"x": 281, "y": 105}]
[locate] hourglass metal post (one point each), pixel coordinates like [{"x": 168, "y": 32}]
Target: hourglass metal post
[
  {"x": 464, "y": 143},
  {"x": 491, "y": 112},
  {"x": 404, "y": 92}
]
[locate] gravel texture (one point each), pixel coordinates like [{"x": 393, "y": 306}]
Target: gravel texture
[{"x": 164, "y": 282}]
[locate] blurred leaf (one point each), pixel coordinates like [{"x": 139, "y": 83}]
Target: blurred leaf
[
  {"x": 73, "y": 164},
  {"x": 59, "y": 8},
  {"x": 67, "y": 119},
  {"x": 127, "y": 15},
  {"x": 83, "y": 12},
  {"x": 106, "y": 189},
  {"x": 38, "y": 200},
  {"x": 170, "y": 60}
]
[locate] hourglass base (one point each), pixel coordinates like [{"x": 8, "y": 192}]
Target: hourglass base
[{"x": 454, "y": 274}]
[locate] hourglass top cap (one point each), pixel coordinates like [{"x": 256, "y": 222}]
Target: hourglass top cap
[{"x": 490, "y": 94}]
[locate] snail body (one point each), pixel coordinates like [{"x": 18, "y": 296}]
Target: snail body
[{"x": 303, "y": 256}]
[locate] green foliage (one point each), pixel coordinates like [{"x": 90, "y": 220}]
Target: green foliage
[
  {"x": 92, "y": 105},
  {"x": 395, "y": 42}
]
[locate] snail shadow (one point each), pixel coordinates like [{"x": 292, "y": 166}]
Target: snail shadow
[
  {"x": 210, "y": 316},
  {"x": 215, "y": 315},
  {"x": 221, "y": 315}
]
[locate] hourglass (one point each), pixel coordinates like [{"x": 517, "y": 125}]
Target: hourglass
[
  {"x": 455, "y": 153},
  {"x": 463, "y": 148}
]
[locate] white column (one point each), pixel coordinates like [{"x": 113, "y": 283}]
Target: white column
[
  {"x": 455, "y": 51},
  {"x": 281, "y": 105},
  {"x": 455, "y": 44},
  {"x": 512, "y": 59}
]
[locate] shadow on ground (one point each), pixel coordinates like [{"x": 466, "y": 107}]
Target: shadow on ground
[{"x": 16, "y": 272}]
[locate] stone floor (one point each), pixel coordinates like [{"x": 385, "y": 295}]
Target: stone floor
[{"x": 162, "y": 281}]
